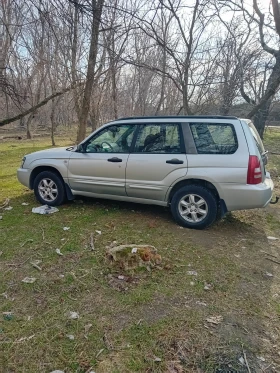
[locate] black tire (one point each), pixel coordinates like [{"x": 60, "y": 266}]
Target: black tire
[
  {"x": 194, "y": 202},
  {"x": 49, "y": 189}
]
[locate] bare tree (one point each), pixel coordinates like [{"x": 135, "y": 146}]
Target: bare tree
[
  {"x": 269, "y": 37},
  {"x": 96, "y": 8}
]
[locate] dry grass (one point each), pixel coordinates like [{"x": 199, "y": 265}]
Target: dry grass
[{"x": 156, "y": 320}]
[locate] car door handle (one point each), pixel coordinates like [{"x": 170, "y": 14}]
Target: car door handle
[
  {"x": 175, "y": 161},
  {"x": 114, "y": 159}
]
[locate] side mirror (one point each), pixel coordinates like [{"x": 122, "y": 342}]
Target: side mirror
[{"x": 81, "y": 148}]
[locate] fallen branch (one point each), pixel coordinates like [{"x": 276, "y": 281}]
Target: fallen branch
[
  {"x": 17, "y": 264},
  {"x": 5, "y": 204},
  {"x": 272, "y": 260},
  {"x": 246, "y": 362},
  {"x": 265, "y": 252},
  {"x": 25, "y": 242},
  {"x": 91, "y": 244},
  {"x": 10, "y": 137},
  {"x": 107, "y": 342}
]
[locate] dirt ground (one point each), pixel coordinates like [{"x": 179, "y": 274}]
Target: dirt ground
[{"x": 212, "y": 305}]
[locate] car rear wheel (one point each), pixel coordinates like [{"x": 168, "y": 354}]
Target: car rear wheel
[
  {"x": 49, "y": 189},
  {"x": 194, "y": 206}
]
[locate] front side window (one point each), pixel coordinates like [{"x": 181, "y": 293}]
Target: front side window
[
  {"x": 113, "y": 139},
  {"x": 158, "y": 138},
  {"x": 214, "y": 138}
]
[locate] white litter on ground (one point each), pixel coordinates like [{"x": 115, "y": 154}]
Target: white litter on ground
[
  {"x": 271, "y": 238},
  {"x": 70, "y": 336},
  {"x": 192, "y": 273},
  {"x": 73, "y": 315},
  {"x": 29, "y": 280},
  {"x": 44, "y": 210}
]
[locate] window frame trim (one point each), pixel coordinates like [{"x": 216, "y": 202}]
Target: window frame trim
[
  {"x": 217, "y": 124},
  {"x": 85, "y": 143},
  {"x": 142, "y": 125}
]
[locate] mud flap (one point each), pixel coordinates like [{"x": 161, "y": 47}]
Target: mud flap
[{"x": 69, "y": 193}]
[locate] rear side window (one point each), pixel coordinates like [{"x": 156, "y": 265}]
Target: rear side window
[
  {"x": 212, "y": 138},
  {"x": 159, "y": 138}
]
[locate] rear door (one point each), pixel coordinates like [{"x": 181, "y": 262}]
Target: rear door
[
  {"x": 221, "y": 152},
  {"x": 158, "y": 159}
]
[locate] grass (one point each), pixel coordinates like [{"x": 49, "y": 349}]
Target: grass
[{"x": 156, "y": 322}]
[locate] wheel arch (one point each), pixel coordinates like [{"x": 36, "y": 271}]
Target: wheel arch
[
  {"x": 201, "y": 182},
  {"x": 40, "y": 169}
]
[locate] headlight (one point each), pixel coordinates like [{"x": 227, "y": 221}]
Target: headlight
[{"x": 22, "y": 161}]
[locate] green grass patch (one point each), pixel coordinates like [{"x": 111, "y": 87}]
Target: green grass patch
[{"x": 158, "y": 317}]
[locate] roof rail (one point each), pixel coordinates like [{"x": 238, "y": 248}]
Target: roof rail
[{"x": 179, "y": 117}]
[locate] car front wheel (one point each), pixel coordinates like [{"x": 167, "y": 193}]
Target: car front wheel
[
  {"x": 194, "y": 206},
  {"x": 49, "y": 189}
]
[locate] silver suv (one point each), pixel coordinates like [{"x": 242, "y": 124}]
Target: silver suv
[{"x": 201, "y": 166}]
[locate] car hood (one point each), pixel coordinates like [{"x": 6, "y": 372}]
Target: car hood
[{"x": 58, "y": 153}]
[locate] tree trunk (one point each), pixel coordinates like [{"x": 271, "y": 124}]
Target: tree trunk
[
  {"x": 28, "y": 123},
  {"x": 94, "y": 117},
  {"x": 52, "y": 122},
  {"x": 162, "y": 88},
  {"x": 260, "y": 118},
  {"x": 261, "y": 114},
  {"x": 114, "y": 90},
  {"x": 185, "y": 100},
  {"x": 226, "y": 99},
  {"x": 22, "y": 122},
  {"x": 186, "y": 107},
  {"x": 97, "y": 11}
]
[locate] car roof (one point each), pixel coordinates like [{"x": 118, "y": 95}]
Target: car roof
[{"x": 176, "y": 117}]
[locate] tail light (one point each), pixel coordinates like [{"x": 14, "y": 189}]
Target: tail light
[{"x": 254, "y": 175}]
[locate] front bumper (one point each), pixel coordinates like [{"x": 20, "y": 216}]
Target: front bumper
[{"x": 23, "y": 175}]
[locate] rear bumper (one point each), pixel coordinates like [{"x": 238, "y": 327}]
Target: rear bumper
[{"x": 245, "y": 196}]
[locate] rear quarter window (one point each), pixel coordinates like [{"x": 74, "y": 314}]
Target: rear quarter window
[
  {"x": 214, "y": 138},
  {"x": 257, "y": 138}
]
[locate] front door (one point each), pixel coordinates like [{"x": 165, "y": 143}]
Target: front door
[
  {"x": 157, "y": 161},
  {"x": 100, "y": 167}
]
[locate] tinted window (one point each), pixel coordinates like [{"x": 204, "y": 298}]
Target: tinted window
[
  {"x": 211, "y": 138},
  {"x": 113, "y": 139},
  {"x": 158, "y": 138}
]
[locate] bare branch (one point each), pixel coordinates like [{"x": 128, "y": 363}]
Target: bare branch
[
  {"x": 36, "y": 107},
  {"x": 276, "y": 15},
  {"x": 272, "y": 51},
  {"x": 270, "y": 92}
]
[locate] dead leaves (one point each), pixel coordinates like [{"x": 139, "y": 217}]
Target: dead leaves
[
  {"x": 215, "y": 319},
  {"x": 174, "y": 367},
  {"x": 132, "y": 256}
]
